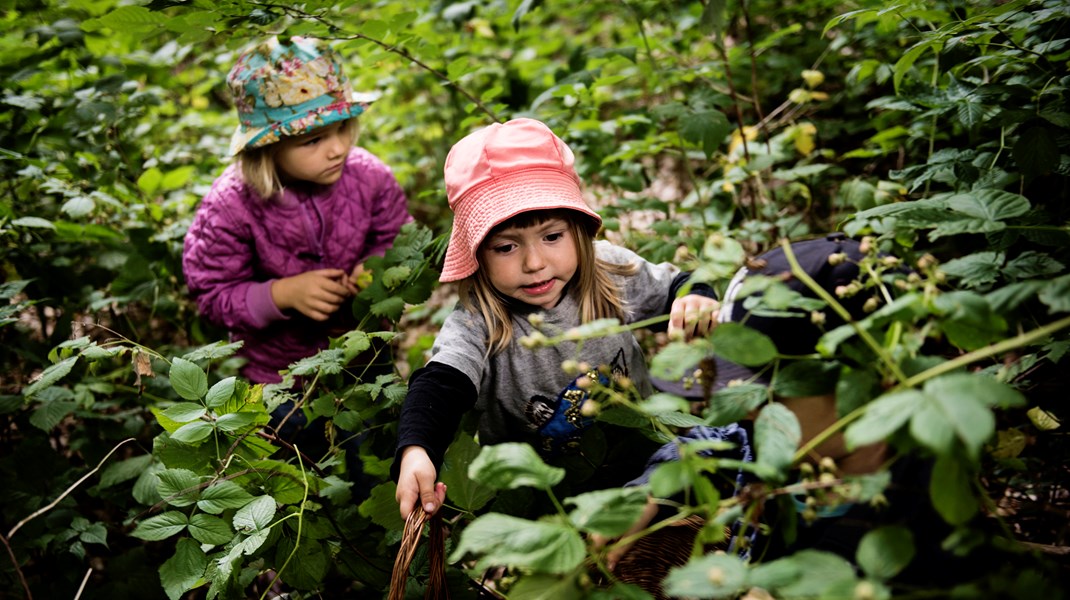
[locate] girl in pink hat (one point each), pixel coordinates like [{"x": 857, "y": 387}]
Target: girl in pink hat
[
  {"x": 279, "y": 239},
  {"x": 523, "y": 250}
]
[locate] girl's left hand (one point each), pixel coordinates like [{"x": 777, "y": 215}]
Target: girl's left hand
[{"x": 694, "y": 315}]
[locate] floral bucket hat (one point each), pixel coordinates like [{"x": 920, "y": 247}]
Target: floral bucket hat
[{"x": 287, "y": 87}]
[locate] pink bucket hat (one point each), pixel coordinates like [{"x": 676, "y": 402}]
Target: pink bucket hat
[{"x": 499, "y": 172}]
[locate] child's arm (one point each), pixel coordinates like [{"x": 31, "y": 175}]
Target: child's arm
[{"x": 438, "y": 397}]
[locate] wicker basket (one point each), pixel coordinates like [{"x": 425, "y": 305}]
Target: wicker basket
[
  {"x": 648, "y": 561},
  {"x": 436, "y": 556}
]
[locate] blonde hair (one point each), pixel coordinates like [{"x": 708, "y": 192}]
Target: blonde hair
[
  {"x": 592, "y": 287},
  {"x": 258, "y": 169}
]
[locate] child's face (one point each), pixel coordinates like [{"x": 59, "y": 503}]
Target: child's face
[
  {"x": 317, "y": 156},
  {"x": 531, "y": 264}
]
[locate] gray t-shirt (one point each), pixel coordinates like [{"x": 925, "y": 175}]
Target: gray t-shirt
[{"x": 524, "y": 395}]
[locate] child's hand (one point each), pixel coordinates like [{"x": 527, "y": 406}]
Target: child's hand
[
  {"x": 694, "y": 315},
  {"x": 315, "y": 294},
  {"x": 416, "y": 481}
]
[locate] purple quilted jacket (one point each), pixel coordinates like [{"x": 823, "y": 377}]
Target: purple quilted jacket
[{"x": 238, "y": 244}]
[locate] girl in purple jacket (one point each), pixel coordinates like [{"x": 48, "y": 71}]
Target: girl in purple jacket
[{"x": 277, "y": 243}]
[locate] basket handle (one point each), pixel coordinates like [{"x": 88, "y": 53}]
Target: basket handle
[{"x": 436, "y": 556}]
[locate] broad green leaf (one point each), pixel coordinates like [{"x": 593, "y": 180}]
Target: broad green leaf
[
  {"x": 710, "y": 576},
  {"x": 124, "y": 470},
  {"x": 50, "y": 376},
  {"x": 462, "y": 490},
  {"x": 382, "y": 508},
  {"x": 150, "y": 180},
  {"x": 208, "y": 529},
  {"x": 160, "y": 527},
  {"x": 49, "y": 414},
  {"x": 815, "y": 573},
  {"x": 192, "y": 432},
  {"x": 540, "y": 586},
  {"x": 705, "y": 128},
  {"x": 179, "y": 487},
  {"x": 498, "y": 539},
  {"x": 968, "y": 319},
  {"x": 309, "y": 564},
  {"x": 188, "y": 379},
  {"x": 512, "y": 465},
  {"x": 177, "y": 178},
  {"x": 33, "y": 222},
  {"x": 214, "y": 351},
  {"x": 951, "y": 490},
  {"x": 255, "y": 515},
  {"x": 220, "y": 393},
  {"x": 883, "y": 553},
  {"x": 981, "y": 388},
  {"x": 184, "y": 569},
  {"x": 806, "y": 378},
  {"x": 670, "y": 478},
  {"x": 234, "y": 421},
  {"x": 1056, "y": 294},
  {"x": 776, "y": 436},
  {"x": 743, "y": 345},
  {"x": 733, "y": 403},
  {"x": 884, "y": 417},
  {"x": 79, "y": 206},
  {"x": 975, "y": 269},
  {"x": 907, "y": 60},
  {"x": 607, "y": 512},
  {"x": 989, "y": 204},
  {"x": 221, "y": 496},
  {"x": 677, "y": 359},
  {"x": 184, "y": 412}
]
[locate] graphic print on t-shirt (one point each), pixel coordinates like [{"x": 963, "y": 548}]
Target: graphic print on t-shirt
[{"x": 560, "y": 422}]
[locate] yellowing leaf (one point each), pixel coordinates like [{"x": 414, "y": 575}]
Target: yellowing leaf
[
  {"x": 1042, "y": 419},
  {"x": 1009, "y": 444}
]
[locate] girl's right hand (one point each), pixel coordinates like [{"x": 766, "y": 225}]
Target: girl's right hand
[
  {"x": 416, "y": 482},
  {"x": 315, "y": 294}
]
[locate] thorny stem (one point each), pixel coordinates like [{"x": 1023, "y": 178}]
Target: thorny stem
[
  {"x": 300, "y": 523},
  {"x": 803, "y": 276}
]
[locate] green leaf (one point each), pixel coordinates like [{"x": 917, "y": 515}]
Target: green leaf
[
  {"x": 538, "y": 586},
  {"x": 1056, "y": 294},
  {"x": 883, "y": 553},
  {"x": 463, "y": 491},
  {"x": 160, "y": 527},
  {"x": 607, "y": 512},
  {"x": 126, "y": 18},
  {"x": 776, "y": 436},
  {"x": 989, "y": 204},
  {"x": 50, "y": 376},
  {"x": 968, "y": 320},
  {"x": 234, "y": 421},
  {"x": 79, "y": 206},
  {"x": 676, "y": 359},
  {"x": 192, "y": 432},
  {"x": 805, "y": 574},
  {"x": 184, "y": 569},
  {"x": 975, "y": 269},
  {"x": 208, "y": 529},
  {"x": 188, "y": 379},
  {"x": 221, "y": 392},
  {"x": 222, "y": 496},
  {"x": 907, "y": 60},
  {"x": 710, "y": 576},
  {"x": 733, "y": 403},
  {"x": 179, "y": 487},
  {"x": 951, "y": 490},
  {"x": 33, "y": 222},
  {"x": 50, "y": 413},
  {"x": 124, "y": 470},
  {"x": 255, "y": 515},
  {"x": 382, "y": 508},
  {"x": 513, "y": 465},
  {"x": 499, "y": 539},
  {"x": 743, "y": 345},
  {"x": 883, "y": 418},
  {"x": 706, "y": 128},
  {"x": 184, "y": 412}
]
